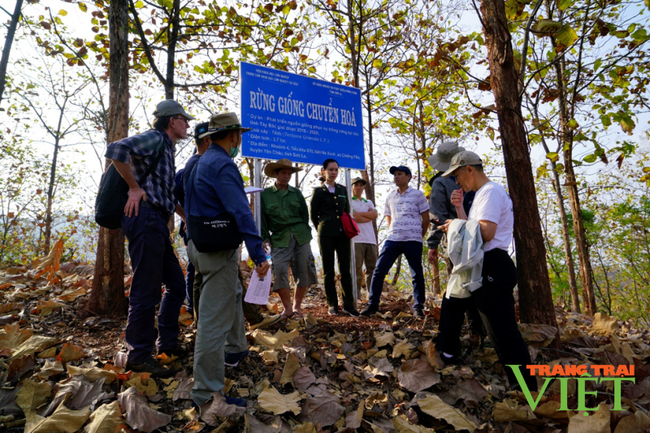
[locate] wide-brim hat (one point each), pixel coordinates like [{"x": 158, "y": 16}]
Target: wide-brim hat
[
  {"x": 358, "y": 179},
  {"x": 462, "y": 159},
  {"x": 442, "y": 158},
  {"x": 224, "y": 122},
  {"x": 169, "y": 107},
  {"x": 271, "y": 168}
]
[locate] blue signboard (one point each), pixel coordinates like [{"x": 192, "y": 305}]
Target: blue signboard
[{"x": 300, "y": 118}]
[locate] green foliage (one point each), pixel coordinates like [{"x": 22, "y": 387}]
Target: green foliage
[
  {"x": 23, "y": 201},
  {"x": 616, "y": 213}
]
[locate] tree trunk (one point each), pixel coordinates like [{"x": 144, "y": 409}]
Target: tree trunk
[
  {"x": 573, "y": 285},
  {"x": 369, "y": 177},
  {"x": 535, "y": 299},
  {"x": 107, "y": 296},
  {"x": 435, "y": 273},
  {"x": 171, "y": 49},
  {"x": 171, "y": 63},
  {"x": 415, "y": 151},
  {"x": 7, "y": 48},
  {"x": 588, "y": 298},
  {"x": 50, "y": 193},
  {"x": 397, "y": 271},
  {"x": 566, "y": 137},
  {"x": 50, "y": 188}
]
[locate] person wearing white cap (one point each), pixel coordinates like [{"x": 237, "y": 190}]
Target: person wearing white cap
[
  {"x": 146, "y": 162},
  {"x": 492, "y": 208},
  {"x": 441, "y": 210}
]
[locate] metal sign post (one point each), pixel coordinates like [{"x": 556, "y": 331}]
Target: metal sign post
[
  {"x": 257, "y": 182},
  {"x": 353, "y": 258}
]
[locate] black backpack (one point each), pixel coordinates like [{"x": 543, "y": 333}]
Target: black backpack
[{"x": 113, "y": 194}]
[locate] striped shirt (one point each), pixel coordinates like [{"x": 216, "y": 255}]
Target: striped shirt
[{"x": 405, "y": 211}]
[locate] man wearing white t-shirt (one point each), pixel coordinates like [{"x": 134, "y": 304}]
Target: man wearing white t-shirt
[
  {"x": 365, "y": 243},
  {"x": 492, "y": 208},
  {"x": 407, "y": 212}
]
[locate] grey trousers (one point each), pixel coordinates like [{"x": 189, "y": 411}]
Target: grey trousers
[{"x": 221, "y": 327}]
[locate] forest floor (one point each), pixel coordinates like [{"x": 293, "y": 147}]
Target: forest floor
[{"x": 61, "y": 371}]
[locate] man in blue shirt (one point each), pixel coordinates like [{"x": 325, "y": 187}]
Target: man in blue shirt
[
  {"x": 202, "y": 143},
  {"x": 215, "y": 188},
  {"x": 150, "y": 205}
]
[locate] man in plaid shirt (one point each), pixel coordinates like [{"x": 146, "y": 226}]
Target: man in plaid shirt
[{"x": 148, "y": 209}]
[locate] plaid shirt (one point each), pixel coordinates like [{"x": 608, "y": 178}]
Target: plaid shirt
[{"x": 140, "y": 152}]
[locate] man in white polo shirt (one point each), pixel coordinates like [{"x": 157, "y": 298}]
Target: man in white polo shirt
[
  {"x": 407, "y": 212},
  {"x": 365, "y": 243},
  {"x": 492, "y": 208}
]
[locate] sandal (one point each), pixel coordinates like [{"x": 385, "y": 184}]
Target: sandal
[
  {"x": 268, "y": 321},
  {"x": 287, "y": 316}
]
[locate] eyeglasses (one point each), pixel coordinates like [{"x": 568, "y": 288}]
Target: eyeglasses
[{"x": 182, "y": 118}]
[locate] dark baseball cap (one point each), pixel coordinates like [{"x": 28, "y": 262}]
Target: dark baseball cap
[
  {"x": 358, "y": 179},
  {"x": 402, "y": 168},
  {"x": 200, "y": 130}
]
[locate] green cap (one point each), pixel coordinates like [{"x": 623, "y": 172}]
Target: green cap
[{"x": 169, "y": 107}]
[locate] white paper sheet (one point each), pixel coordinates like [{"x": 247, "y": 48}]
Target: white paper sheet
[
  {"x": 259, "y": 289},
  {"x": 252, "y": 189}
]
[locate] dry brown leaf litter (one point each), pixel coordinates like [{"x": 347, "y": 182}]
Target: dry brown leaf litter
[{"x": 59, "y": 371}]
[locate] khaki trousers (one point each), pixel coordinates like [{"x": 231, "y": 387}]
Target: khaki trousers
[
  {"x": 221, "y": 327},
  {"x": 365, "y": 254}
]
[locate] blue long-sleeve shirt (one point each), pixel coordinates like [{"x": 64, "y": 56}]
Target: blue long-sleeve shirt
[{"x": 215, "y": 186}]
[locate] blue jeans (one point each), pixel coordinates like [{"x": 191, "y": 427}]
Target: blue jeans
[
  {"x": 154, "y": 263},
  {"x": 389, "y": 254}
]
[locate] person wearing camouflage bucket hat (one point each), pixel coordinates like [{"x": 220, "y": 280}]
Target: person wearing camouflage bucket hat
[{"x": 442, "y": 157}]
